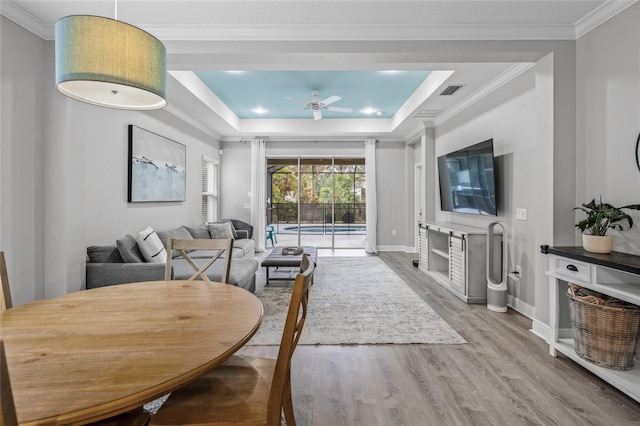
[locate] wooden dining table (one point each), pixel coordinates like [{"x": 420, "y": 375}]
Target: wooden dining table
[{"x": 93, "y": 354}]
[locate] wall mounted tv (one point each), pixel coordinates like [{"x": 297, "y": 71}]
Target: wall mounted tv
[{"x": 467, "y": 180}]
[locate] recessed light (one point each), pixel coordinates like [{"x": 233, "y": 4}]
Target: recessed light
[
  {"x": 235, "y": 72},
  {"x": 260, "y": 110},
  {"x": 379, "y": 113},
  {"x": 369, "y": 110}
]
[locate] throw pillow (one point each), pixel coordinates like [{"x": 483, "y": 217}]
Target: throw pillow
[
  {"x": 179, "y": 234},
  {"x": 129, "y": 250},
  {"x": 233, "y": 228},
  {"x": 104, "y": 254},
  {"x": 220, "y": 231},
  {"x": 151, "y": 246},
  {"x": 200, "y": 232}
]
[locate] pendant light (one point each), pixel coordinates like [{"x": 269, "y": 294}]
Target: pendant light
[{"x": 105, "y": 62}]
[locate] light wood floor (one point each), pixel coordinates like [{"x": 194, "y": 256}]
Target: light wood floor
[{"x": 503, "y": 376}]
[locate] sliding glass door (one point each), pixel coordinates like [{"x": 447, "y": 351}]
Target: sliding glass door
[{"x": 317, "y": 201}]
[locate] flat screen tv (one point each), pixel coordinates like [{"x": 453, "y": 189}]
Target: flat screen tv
[{"x": 467, "y": 180}]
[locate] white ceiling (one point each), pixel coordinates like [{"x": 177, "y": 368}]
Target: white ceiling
[{"x": 317, "y": 35}]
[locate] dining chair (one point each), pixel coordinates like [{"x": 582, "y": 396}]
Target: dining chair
[
  {"x": 5, "y": 296},
  {"x": 245, "y": 390},
  {"x": 220, "y": 248},
  {"x": 8, "y": 414}
]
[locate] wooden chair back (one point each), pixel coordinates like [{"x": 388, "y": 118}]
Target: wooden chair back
[
  {"x": 281, "y": 385},
  {"x": 5, "y": 296},
  {"x": 8, "y": 416},
  {"x": 223, "y": 248}
]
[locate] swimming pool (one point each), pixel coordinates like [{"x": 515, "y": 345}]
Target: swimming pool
[{"x": 319, "y": 229}]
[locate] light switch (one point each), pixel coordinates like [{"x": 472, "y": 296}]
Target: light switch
[{"x": 521, "y": 214}]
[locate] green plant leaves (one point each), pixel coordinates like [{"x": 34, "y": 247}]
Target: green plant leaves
[{"x": 603, "y": 216}]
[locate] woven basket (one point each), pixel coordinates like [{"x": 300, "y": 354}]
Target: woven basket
[{"x": 604, "y": 335}]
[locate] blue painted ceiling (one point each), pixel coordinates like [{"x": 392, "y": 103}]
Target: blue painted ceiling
[{"x": 266, "y": 94}]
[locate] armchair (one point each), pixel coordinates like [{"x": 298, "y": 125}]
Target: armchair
[{"x": 243, "y": 229}]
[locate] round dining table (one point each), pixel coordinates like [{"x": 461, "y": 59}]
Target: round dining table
[{"x": 93, "y": 354}]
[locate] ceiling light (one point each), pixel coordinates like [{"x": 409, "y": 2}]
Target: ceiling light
[
  {"x": 260, "y": 110},
  {"x": 105, "y": 62},
  {"x": 369, "y": 110},
  {"x": 379, "y": 113}
]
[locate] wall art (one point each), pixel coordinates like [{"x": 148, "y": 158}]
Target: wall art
[{"x": 157, "y": 167}]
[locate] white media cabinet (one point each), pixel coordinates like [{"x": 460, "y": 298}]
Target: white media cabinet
[
  {"x": 615, "y": 274},
  {"x": 455, "y": 256}
]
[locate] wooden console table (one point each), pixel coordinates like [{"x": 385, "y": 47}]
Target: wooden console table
[
  {"x": 92, "y": 354},
  {"x": 615, "y": 274}
]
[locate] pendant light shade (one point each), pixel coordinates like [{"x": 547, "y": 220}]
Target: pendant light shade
[{"x": 108, "y": 63}]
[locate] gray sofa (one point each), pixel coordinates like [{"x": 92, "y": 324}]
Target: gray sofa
[{"x": 123, "y": 262}]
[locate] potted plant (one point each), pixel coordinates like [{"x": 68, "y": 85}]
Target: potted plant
[{"x": 600, "y": 218}]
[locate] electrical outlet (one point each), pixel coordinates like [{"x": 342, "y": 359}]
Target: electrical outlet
[
  {"x": 521, "y": 214},
  {"x": 393, "y": 232}
]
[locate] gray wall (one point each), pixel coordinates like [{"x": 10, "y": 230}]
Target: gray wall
[
  {"x": 608, "y": 110},
  {"x": 508, "y": 116},
  {"x": 64, "y": 173},
  {"x": 22, "y": 160}
]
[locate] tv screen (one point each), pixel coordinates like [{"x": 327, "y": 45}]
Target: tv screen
[{"x": 467, "y": 180}]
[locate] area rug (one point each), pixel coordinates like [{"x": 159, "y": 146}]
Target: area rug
[{"x": 354, "y": 300}]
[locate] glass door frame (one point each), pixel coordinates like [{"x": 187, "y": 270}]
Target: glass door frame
[{"x": 299, "y": 162}]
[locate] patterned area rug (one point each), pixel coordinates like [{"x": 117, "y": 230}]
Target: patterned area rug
[{"x": 355, "y": 300}]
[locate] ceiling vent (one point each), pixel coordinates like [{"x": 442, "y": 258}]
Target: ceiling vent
[
  {"x": 450, "y": 90},
  {"x": 427, "y": 113}
]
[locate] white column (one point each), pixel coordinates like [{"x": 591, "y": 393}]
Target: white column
[
  {"x": 258, "y": 200},
  {"x": 370, "y": 182}
]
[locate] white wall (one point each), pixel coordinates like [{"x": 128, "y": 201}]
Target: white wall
[
  {"x": 64, "y": 186},
  {"x": 508, "y": 117}
]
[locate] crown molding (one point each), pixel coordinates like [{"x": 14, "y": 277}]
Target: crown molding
[
  {"x": 484, "y": 91},
  {"x": 15, "y": 13},
  {"x": 367, "y": 32},
  {"x": 600, "y": 15},
  {"x": 11, "y": 10}
]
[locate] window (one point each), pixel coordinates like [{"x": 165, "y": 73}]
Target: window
[{"x": 210, "y": 189}]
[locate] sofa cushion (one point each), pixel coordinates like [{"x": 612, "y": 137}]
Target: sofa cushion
[
  {"x": 208, "y": 254},
  {"x": 129, "y": 250},
  {"x": 220, "y": 231},
  {"x": 104, "y": 254},
  {"x": 180, "y": 233},
  {"x": 247, "y": 246},
  {"x": 151, "y": 247},
  {"x": 200, "y": 232},
  {"x": 242, "y": 271}
]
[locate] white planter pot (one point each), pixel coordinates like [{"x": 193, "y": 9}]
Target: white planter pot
[{"x": 597, "y": 243}]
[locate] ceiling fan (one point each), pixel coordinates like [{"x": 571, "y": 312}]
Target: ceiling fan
[{"x": 316, "y": 105}]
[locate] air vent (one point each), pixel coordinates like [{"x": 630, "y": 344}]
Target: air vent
[
  {"x": 427, "y": 113},
  {"x": 450, "y": 90}
]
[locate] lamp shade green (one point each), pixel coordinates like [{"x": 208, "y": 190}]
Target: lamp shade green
[{"x": 109, "y": 63}]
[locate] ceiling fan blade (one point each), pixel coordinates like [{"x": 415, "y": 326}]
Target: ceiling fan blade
[
  {"x": 317, "y": 115},
  {"x": 339, "y": 109},
  {"x": 330, "y": 100}
]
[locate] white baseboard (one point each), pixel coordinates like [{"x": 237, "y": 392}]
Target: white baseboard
[
  {"x": 540, "y": 329},
  {"x": 522, "y": 307},
  {"x": 395, "y": 248}
]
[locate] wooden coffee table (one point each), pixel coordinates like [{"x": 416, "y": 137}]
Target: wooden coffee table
[{"x": 276, "y": 259}]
